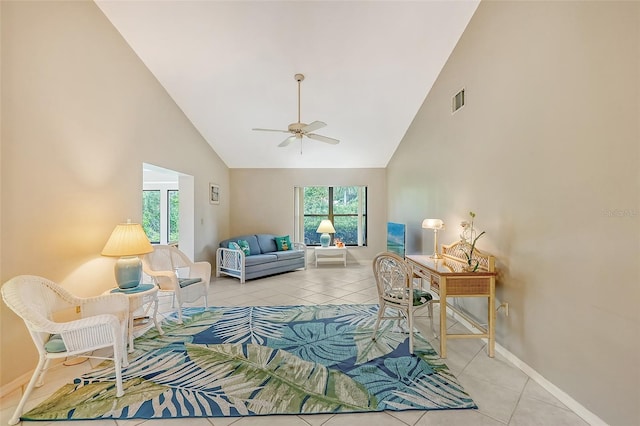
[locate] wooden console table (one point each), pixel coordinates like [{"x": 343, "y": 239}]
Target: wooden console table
[{"x": 448, "y": 278}]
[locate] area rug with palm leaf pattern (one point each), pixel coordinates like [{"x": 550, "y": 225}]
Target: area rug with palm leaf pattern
[{"x": 244, "y": 361}]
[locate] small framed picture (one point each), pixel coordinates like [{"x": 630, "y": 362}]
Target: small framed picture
[{"x": 214, "y": 193}]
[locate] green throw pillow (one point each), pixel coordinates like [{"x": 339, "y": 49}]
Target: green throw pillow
[
  {"x": 244, "y": 246},
  {"x": 234, "y": 246},
  {"x": 283, "y": 243}
]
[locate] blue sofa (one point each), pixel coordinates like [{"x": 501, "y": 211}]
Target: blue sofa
[{"x": 264, "y": 258}]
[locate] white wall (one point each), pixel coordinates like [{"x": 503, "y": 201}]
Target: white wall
[
  {"x": 80, "y": 115},
  {"x": 546, "y": 152},
  {"x": 262, "y": 201}
]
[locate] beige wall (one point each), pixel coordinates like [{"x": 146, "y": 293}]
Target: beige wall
[
  {"x": 546, "y": 152},
  {"x": 262, "y": 201},
  {"x": 80, "y": 114}
]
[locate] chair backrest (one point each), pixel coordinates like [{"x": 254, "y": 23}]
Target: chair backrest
[
  {"x": 457, "y": 251},
  {"x": 36, "y": 300},
  {"x": 393, "y": 278},
  {"x": 166, "y": 258}
]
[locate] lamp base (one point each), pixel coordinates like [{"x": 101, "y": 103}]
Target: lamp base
[
  {"x": 435, "y": 256},
  {"x": 325, "y": 239},
  {"x": 128, "y": 272}
]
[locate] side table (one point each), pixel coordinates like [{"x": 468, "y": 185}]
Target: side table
[
  {"x": 331, "y": 251},
  {"x": 145, "y": 298}
]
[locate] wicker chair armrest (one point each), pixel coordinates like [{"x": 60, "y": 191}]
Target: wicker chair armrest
[
  {"x": 86, "y": 333},
  {"x": 300, "y": 246},
  {"x": 115, "y": 303},
  {"x": 166, "y": 280},
  {"x": 72, "y": 326},
  {"x": 165, "y": 274},
  {"x": 201, "y": 270}
]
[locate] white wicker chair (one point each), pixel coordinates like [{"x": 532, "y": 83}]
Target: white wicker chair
[
  {"x": 394, "y": 280},
  {"x": 103, "y": 324},
  {"x": 173, "y": 271}
]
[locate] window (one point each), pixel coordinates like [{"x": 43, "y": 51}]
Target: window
[
  {"x": 160, "y": 215},
  {"x": 344, "y": 206},
  {"x": 151, "y": 215}
]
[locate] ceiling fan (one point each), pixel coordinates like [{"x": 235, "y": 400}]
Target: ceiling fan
[{"x": 299, "y": 129}]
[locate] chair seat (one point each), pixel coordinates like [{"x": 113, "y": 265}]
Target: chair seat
[
  {"x": 55, "y": 344},
  {"x": 186, "y": 282},
  {"x": 420, "y": 297}
]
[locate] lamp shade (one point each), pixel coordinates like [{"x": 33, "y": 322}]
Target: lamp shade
[
  {"x": 326, "y": 227},
  {"x": 127, "y": 239},
  {"x": 432, "y": 224}
]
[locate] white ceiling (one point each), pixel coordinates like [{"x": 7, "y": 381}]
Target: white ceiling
[{"x": 230, "y": 67}]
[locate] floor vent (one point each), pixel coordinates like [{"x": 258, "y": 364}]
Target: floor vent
[{"x": 457, "y": 101}]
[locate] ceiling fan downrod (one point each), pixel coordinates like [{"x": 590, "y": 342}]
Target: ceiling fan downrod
[{"x": 299, "y": 78}]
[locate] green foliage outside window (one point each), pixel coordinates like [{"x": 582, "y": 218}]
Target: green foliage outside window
[
  {"x": 338, "y": 204},
  {"x": 151, "y": 215},
  {"x": 174, "y": 214}
]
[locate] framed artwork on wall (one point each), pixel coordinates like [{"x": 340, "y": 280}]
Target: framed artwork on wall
[
  {"x": 396, "y": 238},
  {"x": 214, "y": 193}
]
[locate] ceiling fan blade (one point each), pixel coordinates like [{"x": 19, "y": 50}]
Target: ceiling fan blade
[
  {"x": 287, "y": 141},
  {"x": 271, "y": 130},
  {"x": 313, "y": 126},
  {"x": 321, "y": 138}
]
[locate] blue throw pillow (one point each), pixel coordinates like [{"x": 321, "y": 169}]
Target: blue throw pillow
[
  {"x": 234, "y": 246},
  {"x": 244, "y": 246},
  {"x": 283, "y": 243}
]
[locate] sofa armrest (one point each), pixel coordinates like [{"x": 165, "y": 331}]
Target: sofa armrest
[
  {"x": 303, "y": 247},
  {"x": 230, "y": 262}
]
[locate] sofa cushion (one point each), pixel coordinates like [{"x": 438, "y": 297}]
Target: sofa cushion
[
  {"x": 267, "y": 243},
  {"x": 283, "y": 243},
  {"x": 244, "y": 246},
  {"x": 259, "y": 259},
  {"x": 251, "y": 239},
  {"x": 289, "y": 254}
]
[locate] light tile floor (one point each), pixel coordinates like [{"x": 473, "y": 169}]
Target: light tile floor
[{"x": 503, "y": 393}]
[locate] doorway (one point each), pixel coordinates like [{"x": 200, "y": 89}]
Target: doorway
[{"x": 179, "y": 187}]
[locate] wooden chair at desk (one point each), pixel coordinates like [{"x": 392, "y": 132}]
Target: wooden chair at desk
[{"x": 449, "y": 277}]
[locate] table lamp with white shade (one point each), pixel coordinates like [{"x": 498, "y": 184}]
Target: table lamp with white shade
[
  {"x": 436, "y": 225},
  {"x": 326, "y": 228},
  {"x": 127, "y": 241}
]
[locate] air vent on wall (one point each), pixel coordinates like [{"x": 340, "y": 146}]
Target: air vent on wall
[{"x": 457, "y": 101}]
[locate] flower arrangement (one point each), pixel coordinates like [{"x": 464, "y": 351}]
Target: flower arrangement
[{"x": 469, "y": 237}]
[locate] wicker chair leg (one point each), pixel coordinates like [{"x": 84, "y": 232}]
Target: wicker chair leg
[
  {"x": 117, "y": 361},
  {"x": 37, "y": 376}
]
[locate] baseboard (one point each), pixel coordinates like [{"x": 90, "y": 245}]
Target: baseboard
[
  {"x": 15, "y": 384},
  {"x": 560, "y": 395}
]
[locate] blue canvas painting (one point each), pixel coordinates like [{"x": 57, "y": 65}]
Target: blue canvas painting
[{"x": 396, "y": 238}]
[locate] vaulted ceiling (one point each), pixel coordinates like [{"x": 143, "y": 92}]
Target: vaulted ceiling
[{"x": 230, "y": 66}]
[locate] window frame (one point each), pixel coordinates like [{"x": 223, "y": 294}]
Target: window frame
[{"x": 361, "y": 215}]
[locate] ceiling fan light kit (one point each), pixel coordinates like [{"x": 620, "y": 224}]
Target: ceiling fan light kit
[{"x": 299, "y": 129}]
